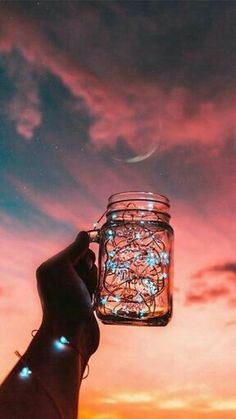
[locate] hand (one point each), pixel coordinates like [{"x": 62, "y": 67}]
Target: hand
[{"x": 66, "y": 283}]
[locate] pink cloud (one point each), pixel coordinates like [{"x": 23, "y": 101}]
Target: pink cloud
[
  {"x": 102, "y": 180},
  {"x": 134, "y": 109},
  {"x": 212, "y": 283},
  {"x": 23, "y": 249},
  {"x": 65, "y": 206}
]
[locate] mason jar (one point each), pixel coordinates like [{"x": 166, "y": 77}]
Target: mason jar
[{"x": 135, "y": 261}]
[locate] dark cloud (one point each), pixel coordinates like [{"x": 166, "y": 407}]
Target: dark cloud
[
  {"x": 132, "y": 64},
  {"x": 207, "y": 295},
  {"x": 112, "y": 79},
  {"x": 228, "y": 267},
  {"x": 175, "y": 43},
  {"x": 213, "y": 283},
  {"x": 230, "y": 323}
]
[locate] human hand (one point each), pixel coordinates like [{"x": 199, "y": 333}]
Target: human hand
[{"x": 66, "y": 283}]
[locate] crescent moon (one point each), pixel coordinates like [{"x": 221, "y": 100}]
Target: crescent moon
[{"x": 138, "y": 158}]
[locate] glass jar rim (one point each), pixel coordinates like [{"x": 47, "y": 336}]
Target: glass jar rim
[{"x": 138, "y": 196}]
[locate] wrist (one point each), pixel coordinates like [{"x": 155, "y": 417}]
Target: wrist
[
  {"x": 83, "y": 335},
  {"x": 55, "y": 367}
]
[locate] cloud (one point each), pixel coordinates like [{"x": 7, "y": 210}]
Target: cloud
[
  {"x": 123, "y": 101},
  {"x": 213, "y": 283},
  {"x": 230, "y": 323},
  {"x": 229, "y": 267},
  {"x": 224, "y": 405},
  {"x": 207, "y": 295},
  {"x": 64, "y": 205},
  {"x": 150, "y": 401},
  {"x": 130, "y": 398},
  {"x": 24, "y": 107}
]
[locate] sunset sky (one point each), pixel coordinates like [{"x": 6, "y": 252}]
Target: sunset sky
[{"x": 84, "y": 87}]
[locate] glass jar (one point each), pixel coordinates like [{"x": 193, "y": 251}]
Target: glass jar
[{"x": 135, "y": 261}]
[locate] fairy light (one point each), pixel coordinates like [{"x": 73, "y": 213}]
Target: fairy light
[
  {"x": 25, "y": 373},
  {"x": 141, "y": 314},
  {"x": 110, "y": 234},
  {"x": 151, "y": 260},
  {"x": 164, "y": 258},
  {"x": 111, "y": 265},
  {"x": 133, "y": 274},
  {"x": 64, "y": 340},
  {"x": 103, "y": 300},
  {"x": 137, "y": 256},
  {"x": 139, "y": 299},
  {"x": 135, "y": 263},
  {"x": 61, "y": 343}
]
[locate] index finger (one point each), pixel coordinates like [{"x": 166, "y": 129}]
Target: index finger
[
  {"x": 71, "y": 254},
  {"x": 76, "y": 250}
]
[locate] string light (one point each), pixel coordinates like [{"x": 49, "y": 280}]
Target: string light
[
  {"x": 25, "y": 372},
  {"x": 61, "y": 343},
  {"x": 134, "y": 266},
  {"x": 64, "y": 340}
]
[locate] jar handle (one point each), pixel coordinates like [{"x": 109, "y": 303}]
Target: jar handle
[{"x": 94, "y": 236}]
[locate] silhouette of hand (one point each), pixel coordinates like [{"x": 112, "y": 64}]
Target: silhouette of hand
[{"x": 66, "y": 283}]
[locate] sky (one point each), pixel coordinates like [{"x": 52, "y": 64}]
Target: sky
[{"x": 84, "y": 88}]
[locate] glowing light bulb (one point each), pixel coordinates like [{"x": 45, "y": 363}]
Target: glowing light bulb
[
  {"x": 110, "y": 264},
  {"x": 64, "y": 340},
  {"x": 109, "y": 234},
  {"x": 103, "y": 300},
  {"x": 25, "y": 372},
  {"x": 151, "y": 260},
  {"x": 139, "y": 298},
  {"x": 61, "y": 343},
  {"x": 164, "y": 258},
  {"x": 141, "y": 314}
]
